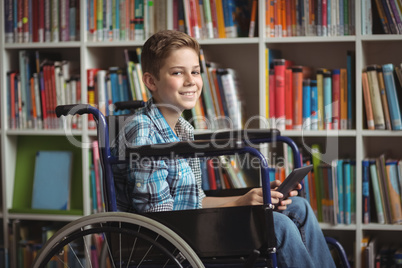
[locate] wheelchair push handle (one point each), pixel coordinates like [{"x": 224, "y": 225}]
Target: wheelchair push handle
[{"x": 73, "y": 109}]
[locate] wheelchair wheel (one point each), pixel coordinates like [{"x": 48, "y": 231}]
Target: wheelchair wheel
[{"x": 115, "y": 239}]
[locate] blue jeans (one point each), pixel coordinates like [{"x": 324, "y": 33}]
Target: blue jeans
[{"x": 300, "y": 241}]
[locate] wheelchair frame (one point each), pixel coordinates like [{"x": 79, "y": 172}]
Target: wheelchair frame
[{"x": 184, "y": 150}]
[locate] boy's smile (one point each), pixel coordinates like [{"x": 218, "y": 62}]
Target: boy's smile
[{"x": 179, "y": 85}]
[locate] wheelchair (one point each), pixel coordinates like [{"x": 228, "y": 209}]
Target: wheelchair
[{"x": 211, "y": 237}]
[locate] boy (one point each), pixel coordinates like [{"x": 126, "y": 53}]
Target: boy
[{"x": 170, "y": 62}]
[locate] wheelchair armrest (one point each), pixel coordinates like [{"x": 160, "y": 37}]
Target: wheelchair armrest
[
  {"x": 198, "y": 148},
  {"x": 239, "y": 134},
  {"x": 130, "y": 105}
]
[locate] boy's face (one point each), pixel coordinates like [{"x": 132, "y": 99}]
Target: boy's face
[{"x": 180, "y": 81}]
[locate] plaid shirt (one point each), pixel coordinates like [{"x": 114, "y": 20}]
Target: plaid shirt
[{"x": 148, "y": 185}]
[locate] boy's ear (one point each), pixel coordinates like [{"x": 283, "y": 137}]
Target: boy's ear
[{"x": 149, "y": 81}]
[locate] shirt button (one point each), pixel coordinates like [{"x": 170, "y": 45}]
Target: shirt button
[
  {"x": 179, "y": 173},
  {"x": 138, "y": 184}
]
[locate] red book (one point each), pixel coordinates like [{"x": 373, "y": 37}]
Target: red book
[
  {"x": 279, "y": 68},
  {"x": 91, "y": 74},
  {"x": 336, "y": 91},
  {"x": 297, "y": 80},
  {"x": 211, "y": 174},
  {"x": 195, "y": 27},
  {"x": 289, "y": 98},
  {"x": 46, "y": 96},
  {"x": 53, "y": 100},
  {"x": 214, "y": 17},
  {"x": 324, "y": 18}
]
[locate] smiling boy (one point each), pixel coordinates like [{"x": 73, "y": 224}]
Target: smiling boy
[{"x": 170, "y": 62}]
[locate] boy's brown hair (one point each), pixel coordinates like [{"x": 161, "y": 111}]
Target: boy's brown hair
[{"x": 159, "y": 46}]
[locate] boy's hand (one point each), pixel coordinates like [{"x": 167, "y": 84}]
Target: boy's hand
[{"x": 276, "y": 196}]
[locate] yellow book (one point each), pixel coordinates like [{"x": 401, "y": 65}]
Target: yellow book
[{"x": 221, "y": 19}]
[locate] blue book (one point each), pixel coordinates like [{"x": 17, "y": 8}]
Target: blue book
[
  {"x": 52, "y": 176},
  {"x": 366, "y": 191},
  {"x": 392, "y": 97},
  {"x": 327, "y": 99},
  {"x": 339, "y": 179},
  {"x": 376, "y": 192},
  {"x": 347, "y": 194},
  {"x": 114, "y": 86},
  {"x": 306, "y": 104},
  {"x": 314, "y": 105},
  {"x": 204, "y": 175}
]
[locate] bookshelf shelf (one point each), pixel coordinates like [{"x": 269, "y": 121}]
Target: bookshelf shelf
[
  {"x": 247, "y": 57},
  {"x": 310, "y": 39}
]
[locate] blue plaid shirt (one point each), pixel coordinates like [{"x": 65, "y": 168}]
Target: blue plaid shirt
[{"x": 148, "y": 185}]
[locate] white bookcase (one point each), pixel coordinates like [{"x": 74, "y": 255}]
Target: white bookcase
[{"x": 247, "y": 57}]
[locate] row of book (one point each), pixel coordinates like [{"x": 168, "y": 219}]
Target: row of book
[
  {"x": 382, "y": 188},
  {"x": 330, "y": 188},
  {"x": 376, "y": 254},
  {"x": 220, "y": 105},
  {"x": 300, "y": 97},
  {"x": 309, "y": 18},
  {"x": 125, "y": 20},
  {"x": 381, "y": 17},
  {"x": 382, "y": 85},
  {"x": 26, "y": 240},
  {"x": 215, "y": 18},
  {"x": 27, "y": 21},
  {"x": 42, "y": 82}
]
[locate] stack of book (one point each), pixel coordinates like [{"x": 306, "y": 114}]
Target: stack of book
[
  {"x": 41, "y": 21},
  {"x": 220, "y": 105},
  {"x": 381, "y": 17},
  {"x": 382, "y": 188},
  {"x": 43, "y": 82},
  {"x": 215, "y": 18},
  {"x": 382, "y": 86},
  {"x": 125, "y": 20},
  {"x": 309, "y": 18},
  {"x": 318, "y": 99}
]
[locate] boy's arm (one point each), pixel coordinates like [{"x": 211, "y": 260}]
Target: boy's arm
[{"x": 253, "y": 197}]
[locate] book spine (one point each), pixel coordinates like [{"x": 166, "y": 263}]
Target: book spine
[
  {"x": 327, "y": 86},
  {"x": 279, "y": 67},
  {"x": 393, "y": 189},
  {"x": 384, "y": 100},
  {"x": 8, "y": 21},
  {"x": 383, "y": 17},
  {"x": 378, "y": 113},
  {"x": 336, "y": 91},
  {"x": 306, "y": 105},
  {"x": 343, "y": 99},
  {"x": 272, "y": 99},
  {"x": 367, "y": 102},
  {"x": 395, "y": 112},
  {"x": 297, "y": 97},
  {"x": 366, "y": 191},
  {"x": 376, "y": 192},
  {"x": 288, "y": 99},
  {"x": 253, "y": 19},
  {"x": 314, "y": 105}
]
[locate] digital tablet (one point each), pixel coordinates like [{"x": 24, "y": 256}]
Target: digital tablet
[{"x": 294, "y": 178}]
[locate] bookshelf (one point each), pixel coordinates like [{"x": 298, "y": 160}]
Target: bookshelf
[{"x": 315, "y": 51}]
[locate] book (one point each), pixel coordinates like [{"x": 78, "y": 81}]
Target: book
[
  {"x": 288, "y": 99},
  {"x": 366, "y": 191},
  {"x": 382, "y": 178},
  {"x": 384, "y": 100},
  {"x": 52, "y": 176},
  {"x": 306, "y": 105},
  {"x": 379, "y": 121},
  {"x": 343, "y": 99},
  {"x": 367, "y": 102},
  {"x": 279, "y": 68},
  {"x": 327, "y": 87},
  {"x": 336, "y": 98},
  {"x": 375, "y": 183},
  {"x": 392, "y": 96},
  {"x": 297, "y": 80},
  {"x": 393, "y": 190}
]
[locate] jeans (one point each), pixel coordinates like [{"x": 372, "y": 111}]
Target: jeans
[{"x": 300, "y": 241}]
